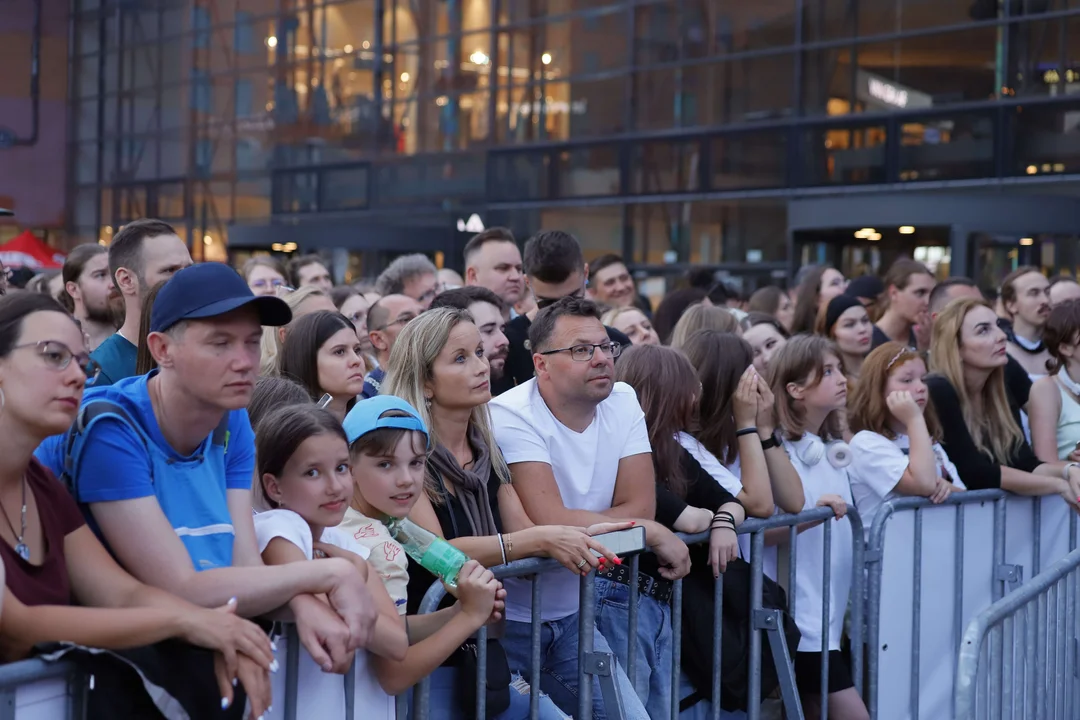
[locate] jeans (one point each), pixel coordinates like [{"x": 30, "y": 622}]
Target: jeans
[
  {"x": 444, "y": 703},
  {"x": 559, "y": 666},
  {"x": 652, "y": 645}
]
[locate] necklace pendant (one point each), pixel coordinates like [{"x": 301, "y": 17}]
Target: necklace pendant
[{"x": 23, "y": 551}]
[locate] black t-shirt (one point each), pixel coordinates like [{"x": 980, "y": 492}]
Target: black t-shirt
[
  {"x": 519, "y": 362},
  {"x": 454, "y": 524},
  {"x": 978, "y": 470},
  {"x": 878, "y": 338},
  {"x": 1017, "y": 383}
]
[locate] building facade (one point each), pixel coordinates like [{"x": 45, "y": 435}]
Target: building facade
[{"x": 675, "y": 132}]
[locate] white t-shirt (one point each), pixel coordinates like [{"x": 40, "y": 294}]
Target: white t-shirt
[
  {"x": 820, "y": 479},
  {"x": 387, "y": 556},
  {"x": 877, "y": 464},
  {"x": 585, "y": 466},
  {"x": 320, "y": 694}
]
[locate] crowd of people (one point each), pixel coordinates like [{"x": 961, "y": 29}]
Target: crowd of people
[{"x": 215, "y": 451}]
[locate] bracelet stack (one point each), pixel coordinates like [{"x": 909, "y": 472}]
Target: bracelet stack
[
  {"x": 723, "y": 520},
  {"x": 502, "y": 548}
]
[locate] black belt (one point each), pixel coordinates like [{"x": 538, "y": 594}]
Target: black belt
[{"x": 656, "y": 588}]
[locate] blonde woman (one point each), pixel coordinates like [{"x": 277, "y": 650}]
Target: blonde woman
[
  {"x": 302, "y": 302},
  {"x": 981, "y": 430},
  {"x": 703, "y": 317},
  {"x": 632, "y": 322}
]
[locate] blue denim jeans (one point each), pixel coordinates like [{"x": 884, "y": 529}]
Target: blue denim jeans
[
  {"x": 559, "y": 666},
  {"x": 444, "y": 703},
  {"x": 652, "y": 644}
]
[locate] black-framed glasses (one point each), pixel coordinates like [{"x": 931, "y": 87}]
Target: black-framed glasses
[
  {"x": 58, "y": 356},
  {"x": 585, "y": 352}
]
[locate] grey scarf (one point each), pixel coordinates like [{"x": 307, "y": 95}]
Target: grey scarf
[{"x": 470, "y": 486}]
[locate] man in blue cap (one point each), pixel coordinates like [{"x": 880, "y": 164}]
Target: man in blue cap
[{"x": 162, "y": 465}]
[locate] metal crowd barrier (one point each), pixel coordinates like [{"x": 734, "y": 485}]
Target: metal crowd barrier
[
  {"x": 592, "y": 664},
  {"x": 957, "y": 558},
  {"x": 38, "y": 690},
  {"x": 1018, "y": 658}
]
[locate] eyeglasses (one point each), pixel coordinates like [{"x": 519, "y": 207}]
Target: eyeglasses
[
  {"x": 584, "y": 353},
  {"x": 403, "y": 320},
  {"x": 58, "y": 356}
]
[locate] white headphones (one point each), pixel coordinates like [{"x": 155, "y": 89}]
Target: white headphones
[{"x": 812, "y": 450}]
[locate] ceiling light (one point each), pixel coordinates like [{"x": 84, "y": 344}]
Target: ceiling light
[
  {"x": 348, "y": 49},
  {"x": 874, "y": 237},
  {"x": 479, "y": 58},
  {"x": 1031, "y": 170},
  {"x": 546, "y": 58},
  {"x": 404, "y": 77},
  {"x": 864, "y": 233},
  {"x": 907, "y": 230},
  {"x": 271, "y": 41},
  {"x": 207, "y": 240},
  {"x": 1027, "y": 241}
]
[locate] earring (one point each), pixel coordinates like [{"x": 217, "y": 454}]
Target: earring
[
  {"x": 3, "y": 400},
  {"x": 427, "y": 402}
]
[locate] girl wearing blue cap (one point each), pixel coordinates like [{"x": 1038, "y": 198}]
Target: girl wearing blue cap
[{"x": 388, "y": 451}]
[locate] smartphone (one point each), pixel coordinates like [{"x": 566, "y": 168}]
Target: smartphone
[
  {"x": 325, "y": 400},
  {"x": 623, "y": 542}
]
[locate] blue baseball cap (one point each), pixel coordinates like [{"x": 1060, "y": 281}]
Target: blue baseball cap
[
  {"x": 208, "y": 290},
  {"x": 366, "y": 416}
]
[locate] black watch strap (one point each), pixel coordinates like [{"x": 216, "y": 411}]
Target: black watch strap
[{"x": 770, "y": 442}]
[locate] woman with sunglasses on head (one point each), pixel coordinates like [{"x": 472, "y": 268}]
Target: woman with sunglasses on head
[
  {"x": 61, "y": 583},
  {"x": 981, "y": 428},
  {"x": 896, "y": 449}
]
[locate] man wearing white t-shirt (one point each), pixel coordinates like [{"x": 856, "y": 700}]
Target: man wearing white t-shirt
[{"x": 579, "y": 454}]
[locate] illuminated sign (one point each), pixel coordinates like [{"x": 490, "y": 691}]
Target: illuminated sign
[{"x": 875, "y": 90}]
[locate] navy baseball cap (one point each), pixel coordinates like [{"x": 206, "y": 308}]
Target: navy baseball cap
[
  {"x": 208, "y": 290},
  {"x": 367, "y": 415}
]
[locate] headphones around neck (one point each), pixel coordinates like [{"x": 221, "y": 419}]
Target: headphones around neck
[{"x": 814, "y": 449}]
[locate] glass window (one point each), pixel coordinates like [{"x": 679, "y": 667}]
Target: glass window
[
  {"x": 244, "y": 34},
  {"x": 344, "y": 188},
  {"x": 200, "y": 26},
  {"x": 202, "y": 95},
  {"x": 665, "y": 167},
  {"x": 587, "y": 171},
  {"x": 749, "y": 160},
  {"x": 1045, "y": 140},
  {"x": 946, "y": 147},
  {"x": 519, "y": 176},
  {"x": 842, "y": 155}
]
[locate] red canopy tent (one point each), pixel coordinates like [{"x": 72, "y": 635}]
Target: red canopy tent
[{"x": 26, "y": 250}]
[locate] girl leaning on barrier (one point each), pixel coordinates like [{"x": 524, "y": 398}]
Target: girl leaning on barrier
[
  {"x": 53, "y": 560},
  {"x": 690, "y": 497},
  {"x": 734, "y": 397},
  {"x": 811, "y": 393},
  {"x": 303, "y": 491},
  {"x": 896, "y": 449},
  {"x": 981, "y": 429},
  {"x": 1055, "y": 415}
]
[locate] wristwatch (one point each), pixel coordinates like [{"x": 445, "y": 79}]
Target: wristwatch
[{"x": 770, "y": 442}]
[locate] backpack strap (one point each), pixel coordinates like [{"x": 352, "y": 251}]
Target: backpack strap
[{"x": 89, "y": 415}]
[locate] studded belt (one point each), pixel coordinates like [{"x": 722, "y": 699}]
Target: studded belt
[{"x": 656, "y": 588}]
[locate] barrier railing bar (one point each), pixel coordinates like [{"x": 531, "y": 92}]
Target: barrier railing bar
[
  {"x": 718, "y": 632},
  {"x": 676, "y": 647},
  {"x": 481, "y": 673},
  {"x": 586, "y": 623},
  {"x": 631, "y": 656},
  {"x": 19, "y": 673},
  {"x": 995, "y": 616},
  {"x": 826, "y": 601},
  {"x": 350, "y": 690},
  {"x": 916, "y": 611},
  {"x": 292, "y": 674},
  {"x": 857, "y": 597},
  {"x": 792, "y": 548},
  {"x": 1036, "y": 550},
  {"x": 753, "y": 696},
  {"x": 534, "y": 649},
  {"x": 958, "y": 596}
]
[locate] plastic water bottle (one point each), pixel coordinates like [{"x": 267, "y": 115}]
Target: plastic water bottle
[{"x": 434, "y": 554}]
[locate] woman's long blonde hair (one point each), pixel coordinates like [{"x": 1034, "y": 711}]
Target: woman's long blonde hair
[
  {"x": 408, "y": 372},
  {"x": 993, "y": 428},
  {"x": 271, "y": 344}
]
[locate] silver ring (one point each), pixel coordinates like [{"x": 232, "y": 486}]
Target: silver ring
[{"x": 582, "y": 564}]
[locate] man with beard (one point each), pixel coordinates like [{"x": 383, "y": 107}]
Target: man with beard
[
  {"x": 490, "y": 315},
  {"x": 144, "y": 253},
  {"x": 1025, "y": 298},
  {"x": 87, "y": 287}
]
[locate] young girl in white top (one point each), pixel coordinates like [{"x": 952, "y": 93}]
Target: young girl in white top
[
  {"x": 896, "y": 448},
  {"x": 808, "y": 383},
  {"x": 305, "y": 485},
  {"x": 1055, "y": 406}
]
